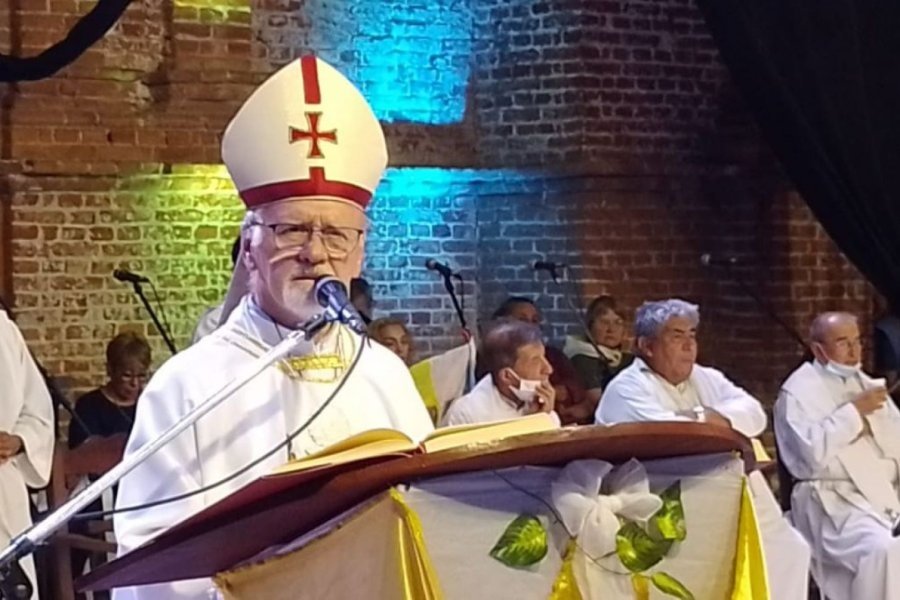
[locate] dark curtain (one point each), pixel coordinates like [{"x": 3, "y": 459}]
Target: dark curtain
[
  {"x": 85, "y": 33},
  {"x": 823, "y": 81}
]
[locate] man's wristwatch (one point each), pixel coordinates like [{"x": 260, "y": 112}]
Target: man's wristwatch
[{"x": 700, "y": 414}]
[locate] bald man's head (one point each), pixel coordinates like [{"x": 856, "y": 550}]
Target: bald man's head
[{"x": 835, "y": 336}]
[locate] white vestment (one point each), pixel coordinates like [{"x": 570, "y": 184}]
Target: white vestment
[
  {"x": 846, "y": 498},
  {"x": 378, "y": 394},
  {"x": 640, "y": 394},
  {"x": 207, "y": 323},
  {"x": 484, "y": 404},
  {"x": 26, "y": 411}
]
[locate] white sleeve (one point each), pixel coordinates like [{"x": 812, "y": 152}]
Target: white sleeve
[
  {"x": 35, "y": 422},
  {"x": 457, "y": 414},
  {"x": 734, "y": 403},
  {"x": 626, "y": 401},
  {"x": 808, "y": 444}
]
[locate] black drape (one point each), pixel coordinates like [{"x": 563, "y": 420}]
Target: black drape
[
  {"x": 85, "y": 33},
  {"x": 823, "y": 81}
]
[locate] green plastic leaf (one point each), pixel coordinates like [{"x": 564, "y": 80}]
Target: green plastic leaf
[
  {"x": 637, "y": 550},
  {"x": 671, "y": 586},
  {"x": 523, "y": 544},
  {"x": 668, "y": 522},
  {"x": 640, "y": 585}
]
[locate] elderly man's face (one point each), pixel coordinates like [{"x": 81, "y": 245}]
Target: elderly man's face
[
  {"x": 840, "y": 342},
  {"x": 531, "y": 363},
  {"x": 673, "y": 352},
  {"x": 297, "y": 242}
]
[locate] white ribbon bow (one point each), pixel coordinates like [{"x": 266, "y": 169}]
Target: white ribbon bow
[{"x": 593, "y": 517}]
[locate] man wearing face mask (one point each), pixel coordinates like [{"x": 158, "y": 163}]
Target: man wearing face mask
[
  {"x": 665, "y": 383},
  {"x": 305, "y": 153},
  {"x": 840, "y": 437},
  {"x": 517, "y": 381}
]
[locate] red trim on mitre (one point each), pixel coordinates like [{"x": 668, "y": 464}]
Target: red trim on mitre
[
  {"x": 314, "y": 187},
  {"x": 310, "y": 69}
]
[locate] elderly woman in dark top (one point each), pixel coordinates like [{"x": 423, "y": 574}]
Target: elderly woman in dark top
[
  {"x": 109, "y": 409},
  {"x": 598, "y": 362}
]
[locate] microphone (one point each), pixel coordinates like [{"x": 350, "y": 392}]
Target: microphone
[
  {"x": 547, "y": 265},
  {"x": 127, "y": 276},
  {"x": 708, "y": 260},
  {"x": 331, "y": 294},
  {"x": 441, "y": 268}
]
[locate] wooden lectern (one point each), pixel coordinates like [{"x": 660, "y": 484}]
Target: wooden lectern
[{"x": 275, "y": 510}]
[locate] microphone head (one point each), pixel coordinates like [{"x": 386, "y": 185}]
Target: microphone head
[
  {"x": 431, "y": 264},
  {"x": 329, "y": 287},
  {"x": 705, "y": 259},
  {"x": 127, "y": 276}
]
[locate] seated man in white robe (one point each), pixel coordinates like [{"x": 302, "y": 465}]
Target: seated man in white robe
[
  {"x": 26, "y": 435},
  {"x": 839, "y": 435},
  {"x": 517, "y": 381},
  {"x": 664, "y": 383},
  {"x": 306, "y": 198}
]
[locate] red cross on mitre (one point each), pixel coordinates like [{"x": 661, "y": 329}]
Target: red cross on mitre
[{"x": 313, "y": 135}]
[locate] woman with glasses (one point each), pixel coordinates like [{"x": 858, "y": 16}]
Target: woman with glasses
[
  {"x": 109, "y": 409},
  {"x": 598, "y": 362}
]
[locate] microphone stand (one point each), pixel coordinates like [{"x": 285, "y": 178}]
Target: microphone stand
[
  {"x": 575, "y": 311},
  {"x": 139, "y": 290},
  {"x": 25, "y": 543},
  {"x": 448, "y": 285}
]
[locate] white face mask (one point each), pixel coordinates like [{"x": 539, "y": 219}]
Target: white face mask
[
  {"x": 842, "y": 370},
  {"x": 527, "y": 389}
]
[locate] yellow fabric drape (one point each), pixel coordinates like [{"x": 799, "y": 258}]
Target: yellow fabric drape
[
  {"x": 418, "y": 574},
  {"x": 384, "y": 543},
  {"x": 750, "y": 579},
  {"x": 565, "y": 587},
  {"x": 424, "y": 381}
]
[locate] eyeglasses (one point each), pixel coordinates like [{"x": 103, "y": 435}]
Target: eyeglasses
[
  {"x": 338, "y": 241},
  {"x": 128, "y": 375}
]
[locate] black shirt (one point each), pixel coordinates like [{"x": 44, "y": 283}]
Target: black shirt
[{"x": 100, "y": 416}]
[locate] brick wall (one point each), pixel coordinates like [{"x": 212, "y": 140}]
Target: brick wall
[
  {"x": 603, "y": 134},
  {"x": 599, "y": 81},
  {"x": 70, "y": 232}
]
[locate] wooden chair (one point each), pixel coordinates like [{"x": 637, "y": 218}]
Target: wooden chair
[{"x": 94, "y": 457}]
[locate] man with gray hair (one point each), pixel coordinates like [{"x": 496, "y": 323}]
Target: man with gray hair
[
  {"x": 517, "y": 382},
  {"x": 664, "y": 383},
  {"x": 840, "y": 436},
  {"x": 306, "y": 198}
]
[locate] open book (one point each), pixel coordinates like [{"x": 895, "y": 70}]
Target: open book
[{"x": 388, "y": 442}]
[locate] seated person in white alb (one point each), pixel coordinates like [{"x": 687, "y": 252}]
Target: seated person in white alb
[
  {"x": 517, "y": 381},
  {"x": 839, "y": 434},
  {"x": 665, "y": 384}
]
